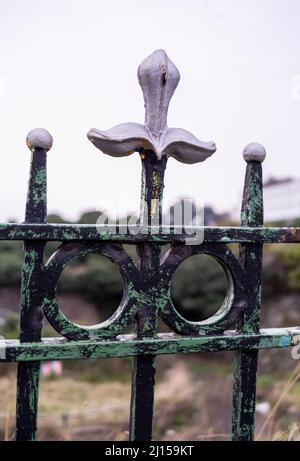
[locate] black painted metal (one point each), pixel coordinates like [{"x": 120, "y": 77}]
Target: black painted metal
[
  {"x": 31, "y": 315},
  {"x": 244, "y": 389}
]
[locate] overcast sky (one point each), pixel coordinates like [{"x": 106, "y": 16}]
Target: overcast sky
[{"x": 70, "y": 65}]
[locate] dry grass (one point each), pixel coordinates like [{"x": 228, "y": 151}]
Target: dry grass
[{"x": 190, "y": 404}]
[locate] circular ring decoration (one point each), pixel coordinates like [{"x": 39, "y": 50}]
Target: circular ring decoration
[
  {"x": 127, "y": 309},
  {"x": 235, "y": 300}
]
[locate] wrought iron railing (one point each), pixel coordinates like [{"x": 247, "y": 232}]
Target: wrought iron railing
[{"x": 235, "y": 327}]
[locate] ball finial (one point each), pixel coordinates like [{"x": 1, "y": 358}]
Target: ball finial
[
  {"x": 254, "y": 152},
  {"x": 39, "y": 139}
]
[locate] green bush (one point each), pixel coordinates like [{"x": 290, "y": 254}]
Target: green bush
[
  {"x": 10, "y": 263},
  {"x": 96, "y": 279},
  {"x": 198, "y": 287},
  {"x": 290, "y": 258}
]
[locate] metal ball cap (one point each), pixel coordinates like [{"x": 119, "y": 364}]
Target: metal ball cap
[
  {"x": 254, "y": 152},
  {"x": 39, "y": 139}
]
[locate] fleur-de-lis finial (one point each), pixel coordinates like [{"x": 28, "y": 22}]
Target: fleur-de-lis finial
[{"x": 158, "y": 77}]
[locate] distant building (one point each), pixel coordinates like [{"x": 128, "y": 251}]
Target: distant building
[{"x": 282, "y": 199}]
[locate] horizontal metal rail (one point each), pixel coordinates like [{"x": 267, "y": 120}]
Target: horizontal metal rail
[
  {"x": 140, "y": 234},
  {"x": 129, "y": 345}
]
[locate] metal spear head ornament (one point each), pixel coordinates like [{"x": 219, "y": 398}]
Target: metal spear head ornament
[{"x": 158, "y": 77}]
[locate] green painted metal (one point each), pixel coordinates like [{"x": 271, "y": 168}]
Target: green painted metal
[
  {"x": 133, "y": 235},
  {"x": 130, "y": 345},
  {"x": 244, "y": 388},
  {"x": 31, "y": 315},
  {"x": 144, "y": 365}
]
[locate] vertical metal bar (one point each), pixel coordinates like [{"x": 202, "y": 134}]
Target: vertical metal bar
[
  {"x": 39, "y": 142},
  {"x": 142, "y": 398},
  {"x": 244, "y": 388},
  {"x": 143, "y": 375}
]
